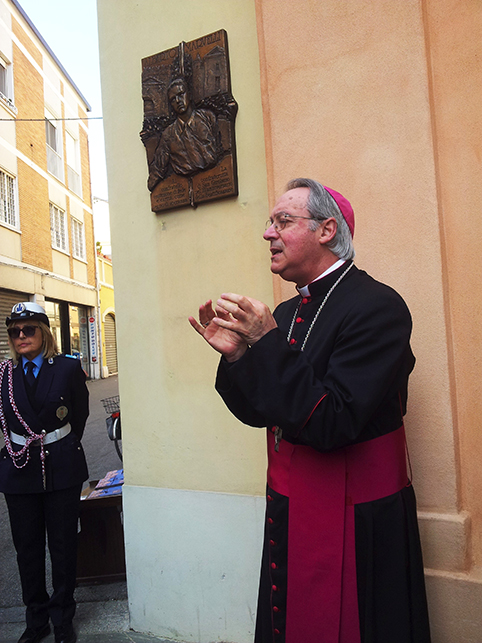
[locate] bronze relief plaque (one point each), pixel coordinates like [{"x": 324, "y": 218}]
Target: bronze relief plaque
[{"x": 188, "y": 128}]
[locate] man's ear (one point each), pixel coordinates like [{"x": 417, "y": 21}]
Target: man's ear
[{"x": 327, "y": 230}]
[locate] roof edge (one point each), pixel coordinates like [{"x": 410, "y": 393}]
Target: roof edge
[{"x": 44, "y": 43}]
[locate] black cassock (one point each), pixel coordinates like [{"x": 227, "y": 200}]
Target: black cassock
[{"x": 341, "y": 560}]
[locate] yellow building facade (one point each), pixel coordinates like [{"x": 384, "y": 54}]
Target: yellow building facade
[
  {"x": 381, "y": 101},
  {"x": 107, "y": 315},
  {"x": 46, "y": 230}
]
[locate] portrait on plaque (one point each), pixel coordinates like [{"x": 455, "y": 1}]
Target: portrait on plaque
[{"x": 188, "y": 128}]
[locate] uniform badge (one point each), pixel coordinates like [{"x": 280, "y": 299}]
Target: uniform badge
[
  {"x": 19, "y": 308},
  {"x": 62, "y": 412}
]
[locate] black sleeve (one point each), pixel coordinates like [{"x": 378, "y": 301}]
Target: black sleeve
[
  {"x": 80, "y": 400},
  {"x": 234, "y": 397},
  {"x": 369, "y": 360}
]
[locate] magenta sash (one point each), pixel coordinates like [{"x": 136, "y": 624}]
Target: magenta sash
[{"x": 322, "y": 602}]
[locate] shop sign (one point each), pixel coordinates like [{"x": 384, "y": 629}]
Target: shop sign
[{"x": 93, "y": 339}]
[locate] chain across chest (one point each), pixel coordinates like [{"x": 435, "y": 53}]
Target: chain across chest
[
  {"x": 6, "y": 369},
  {"x": 278, "y": 433},
  {"x": 317, "y": 314}
]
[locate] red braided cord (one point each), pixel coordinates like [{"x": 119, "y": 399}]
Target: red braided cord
[{"x": 7, "y": 365}]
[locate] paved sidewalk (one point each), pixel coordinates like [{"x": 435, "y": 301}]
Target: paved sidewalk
[
  {"x": 105, "y": 637},
  {"x": 99, "y": 622},
  {"x": 105, "y": 621}
]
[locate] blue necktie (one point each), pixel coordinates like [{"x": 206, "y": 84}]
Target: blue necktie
[{"x": 30, "y": 377}]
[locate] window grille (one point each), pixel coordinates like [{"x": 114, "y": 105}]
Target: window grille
[
  {"x": 58, "y": 228},
  {"x": 8, "y": 213},
  {"x": 78, "y": 245}
]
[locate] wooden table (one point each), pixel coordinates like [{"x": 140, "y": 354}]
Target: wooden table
[{"x": 100, "y": 552}]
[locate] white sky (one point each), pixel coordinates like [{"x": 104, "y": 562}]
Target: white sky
[{"x": 70, "y": 29}]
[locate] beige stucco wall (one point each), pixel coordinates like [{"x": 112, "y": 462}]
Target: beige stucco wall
[
  {"x": 386, "y": 96},
  {"x": 380, "y": 101},
  {"x": 44, "y": 284},
  {"x": 359, "y": 103},
  {"x": 183, "y": 257},
  {"x": 195, "y": 477},
  {"x": 455, "y": 32},
  {"x": 372, "y": 110}
]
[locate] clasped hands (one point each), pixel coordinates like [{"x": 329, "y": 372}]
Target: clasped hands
[{"x": 235, "y": 323}]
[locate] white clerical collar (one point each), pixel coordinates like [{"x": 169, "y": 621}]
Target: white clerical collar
[{"x": 305, "y": 290}]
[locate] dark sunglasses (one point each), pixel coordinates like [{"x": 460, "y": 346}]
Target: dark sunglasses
[{"x": 28, "y": 331}]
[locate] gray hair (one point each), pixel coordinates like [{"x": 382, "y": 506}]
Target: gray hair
[{"x": 321, "y": 206}]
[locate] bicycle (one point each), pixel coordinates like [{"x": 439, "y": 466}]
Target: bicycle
[{"x": 113, "y": 422}]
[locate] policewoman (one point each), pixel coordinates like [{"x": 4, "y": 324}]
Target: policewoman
[{"x": 43, "y": 409}]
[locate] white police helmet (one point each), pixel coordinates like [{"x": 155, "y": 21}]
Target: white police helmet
[{"x": 26, "y": 310}]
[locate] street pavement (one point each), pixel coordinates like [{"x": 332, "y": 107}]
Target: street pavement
[{"x": 102, "y": 610}]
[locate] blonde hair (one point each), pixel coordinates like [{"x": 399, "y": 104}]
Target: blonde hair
[{"x": 49, "y": 345}]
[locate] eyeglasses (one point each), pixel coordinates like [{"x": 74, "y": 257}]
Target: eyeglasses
[
  {"x": 28, "y": 331},
  {"x": 279, "y": 221}
]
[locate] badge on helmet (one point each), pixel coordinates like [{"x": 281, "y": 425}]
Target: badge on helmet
[{"x": 25, "y": 310}]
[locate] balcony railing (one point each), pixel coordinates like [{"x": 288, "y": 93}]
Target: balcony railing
[
  {"x": 54, "y": 163},
  {"x": 75, "y": 184}
]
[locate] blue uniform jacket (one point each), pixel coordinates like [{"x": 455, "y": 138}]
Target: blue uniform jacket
[{"x": 60, "y": 383}]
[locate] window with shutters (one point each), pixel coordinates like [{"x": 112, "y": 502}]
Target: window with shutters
[
  {"x": 53, "y": 136},
  {"x": 6, "y": 85},
  {"x": 8, "y": 298},
  {"x": 8, "y": 210},
  {"x": 78, "y": 242},
  {"x": 73, "y": 163},
  {"x": 58, "y": 228},
  {"x": 3, "y": 79}
]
